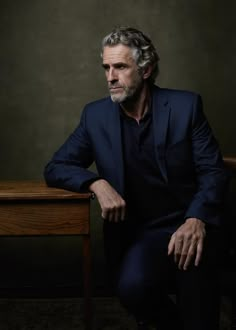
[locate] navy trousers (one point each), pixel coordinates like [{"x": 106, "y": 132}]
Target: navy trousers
[{"x": 145, "y": 276}]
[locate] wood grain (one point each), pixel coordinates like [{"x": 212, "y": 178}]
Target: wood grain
[
  {"x": 44, "y": 218},
  {"x": 20, "y": 190},
  {"x": 32, "y": 208}
]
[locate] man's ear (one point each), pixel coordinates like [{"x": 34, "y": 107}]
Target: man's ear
[{"x": 147, "y": 72}]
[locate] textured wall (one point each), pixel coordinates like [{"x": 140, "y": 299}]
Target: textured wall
[{"x": 50, "y": 67}]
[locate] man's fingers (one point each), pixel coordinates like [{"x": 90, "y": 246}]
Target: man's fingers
[
  {"x": 184, "y": 251},
  {"x": 171, "y": 245},
  {"x": 117, "y": 214},
  {"x": 111, "y": 203},
  {"x": 195, "y": 249},
  {"x": 189, "y": 257},
  {"x": 184, "y": 247},
  {"x": 187, "y": 243},
  {"x": 179, "y": 250},
  {"x": 104, "y": 214},
  {"x": 114, "y": 213},
  {"x": 199, "y": 252}
]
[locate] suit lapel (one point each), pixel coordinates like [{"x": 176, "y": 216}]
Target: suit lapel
[
  {"x": 114, "y": 127},
  {"x": 161, "y": 112}
]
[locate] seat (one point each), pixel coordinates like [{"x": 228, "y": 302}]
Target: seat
[{"x": 228, "y": 274}]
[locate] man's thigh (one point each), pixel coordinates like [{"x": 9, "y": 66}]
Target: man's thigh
[
  {"x": 145, "y": 275},
  {"x": 146, "y": 261}
]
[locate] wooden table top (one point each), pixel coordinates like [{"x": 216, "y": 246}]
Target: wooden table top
[
  {"x": 230, "y": 162},
  {"x": 32, "y": 190}
]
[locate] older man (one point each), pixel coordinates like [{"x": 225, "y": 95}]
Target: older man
[{"x": 160, "y": 182}]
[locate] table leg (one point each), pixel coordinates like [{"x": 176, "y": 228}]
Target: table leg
[{"x": 87, "y": 281}]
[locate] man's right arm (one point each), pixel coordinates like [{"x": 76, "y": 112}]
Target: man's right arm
[{"x": 68, "y": 168}]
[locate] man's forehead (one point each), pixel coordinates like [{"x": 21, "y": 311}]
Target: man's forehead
[{"x": 117, "y": 53}]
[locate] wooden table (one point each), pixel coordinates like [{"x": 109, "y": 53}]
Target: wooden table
[{"x": 30, "y": 208}]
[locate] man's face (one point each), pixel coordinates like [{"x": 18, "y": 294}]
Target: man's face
[{"x": 122, "y": 74}]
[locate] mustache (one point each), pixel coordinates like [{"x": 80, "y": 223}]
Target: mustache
[{"x": 114, "y": 85}]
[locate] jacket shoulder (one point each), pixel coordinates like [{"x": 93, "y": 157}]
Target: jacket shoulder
[{"x": 176, "y": 94}]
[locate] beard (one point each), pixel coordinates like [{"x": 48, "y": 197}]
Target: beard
[{"x": 126, "y": 93}]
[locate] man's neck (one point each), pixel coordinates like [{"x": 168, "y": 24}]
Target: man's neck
[{"x": 139, "y": 106}]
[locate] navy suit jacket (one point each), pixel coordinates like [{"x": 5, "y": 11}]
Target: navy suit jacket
[{"x": 186, "y": 152}]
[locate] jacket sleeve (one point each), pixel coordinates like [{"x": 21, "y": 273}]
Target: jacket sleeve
[
  {"x": 212, "y": 178},
  {"x": 68, "y": 167}
]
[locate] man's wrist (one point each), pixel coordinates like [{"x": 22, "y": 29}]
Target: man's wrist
[
  {"x": 190, "y": 219},
  {"x": 93, "y": 186},
  {"x": 86, "y": 185}
]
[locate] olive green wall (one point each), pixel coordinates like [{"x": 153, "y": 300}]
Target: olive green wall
[{"x": 50, "y": 68}]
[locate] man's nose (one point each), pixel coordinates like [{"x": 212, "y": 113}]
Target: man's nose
[{"x": 111, "y": 75}]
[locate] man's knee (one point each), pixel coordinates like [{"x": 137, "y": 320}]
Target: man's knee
[{"x": 131, "y": 289}]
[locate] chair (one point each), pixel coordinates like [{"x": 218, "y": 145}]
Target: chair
[{"x": 228, "y": 275}]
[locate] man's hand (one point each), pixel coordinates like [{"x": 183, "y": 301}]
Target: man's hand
[
  {"x": 112, "y": 204},
  {"x": 187, "y": 243}
]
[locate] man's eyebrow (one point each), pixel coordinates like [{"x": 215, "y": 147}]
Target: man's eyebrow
[
  {"x": 116, "y": 65},
  {"x": 120, "y": 64}
]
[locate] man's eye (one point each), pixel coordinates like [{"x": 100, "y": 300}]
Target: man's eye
[{"x": 105, "y": 67}]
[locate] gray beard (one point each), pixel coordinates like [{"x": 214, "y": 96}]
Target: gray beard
[{"x": 127, "y": 96}]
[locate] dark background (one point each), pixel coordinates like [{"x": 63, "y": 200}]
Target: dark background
[{"x": 50, "y": 67}]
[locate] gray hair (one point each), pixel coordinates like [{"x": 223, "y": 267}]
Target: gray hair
[{"x": 144, "y": 52}]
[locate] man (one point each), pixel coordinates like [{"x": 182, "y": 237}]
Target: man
[{"x": 160, "y": 185}]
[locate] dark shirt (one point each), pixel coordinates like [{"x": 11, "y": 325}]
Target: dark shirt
[{"x": 146, "y": 193}]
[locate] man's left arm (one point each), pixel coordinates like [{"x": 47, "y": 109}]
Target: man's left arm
[{"x": 206, "y": 206}]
